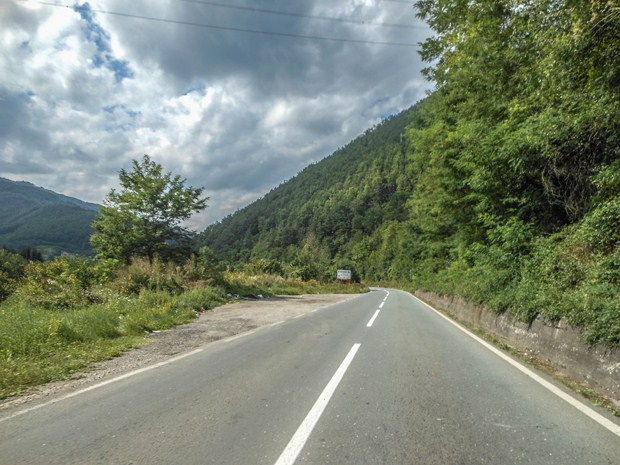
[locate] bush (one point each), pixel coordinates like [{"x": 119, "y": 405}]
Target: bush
[
  {"x": 601, "y": 227},
  {"x": 265, "y": 266},
  {"x": 199, "y": 299},
  {"x": 11, "y": 271},
  {"x": 568, "y": 277},
  {"x": 142, "y": 274},
  {"x": 206, "y": 266},
  {"x": 7, "y": 285},
  {"x": 59, "y": 284}
]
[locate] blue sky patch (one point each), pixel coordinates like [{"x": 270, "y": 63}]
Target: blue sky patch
[{"x": 101, "y": 38}]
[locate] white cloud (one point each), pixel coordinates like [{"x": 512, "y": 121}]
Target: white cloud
[{"x": 82, "y": 93}]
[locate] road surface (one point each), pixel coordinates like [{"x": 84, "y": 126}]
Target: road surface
[{"x": 379, "y": 379}]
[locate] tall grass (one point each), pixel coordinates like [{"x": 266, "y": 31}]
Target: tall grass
[
  {"x": 66, "y": 314},
  {"x": 38, "y": 345}
]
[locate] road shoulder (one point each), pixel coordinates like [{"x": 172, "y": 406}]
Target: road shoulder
[{"x": 220, "y": 323}]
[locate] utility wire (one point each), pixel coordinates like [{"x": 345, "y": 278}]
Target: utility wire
[
  {"x": 302, "y": 15},
  {"x": 234, "y": 29}
]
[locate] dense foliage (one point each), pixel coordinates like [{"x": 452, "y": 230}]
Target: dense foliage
[
  {"x": 502, "y": 186},
  {"x": 329, "y": 213},
  {"x": 520, "y": 207}
]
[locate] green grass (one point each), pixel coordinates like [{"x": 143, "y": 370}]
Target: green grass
[
  {"x": 39, "y": 345},
  {"x": 43, "y": 343}
]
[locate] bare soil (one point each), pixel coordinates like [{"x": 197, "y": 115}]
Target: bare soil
[{"x": 220, "y": 323}]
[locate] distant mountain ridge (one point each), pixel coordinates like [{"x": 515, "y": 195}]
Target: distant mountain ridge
[
  {"x": 33, "y": 193},
  {"x": 53, "y": 223}
]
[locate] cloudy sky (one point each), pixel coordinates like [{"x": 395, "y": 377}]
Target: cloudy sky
[{"x": 236, "y": 96}]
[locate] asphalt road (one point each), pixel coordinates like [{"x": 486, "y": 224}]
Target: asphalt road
[{"x": 380, "y": 379}]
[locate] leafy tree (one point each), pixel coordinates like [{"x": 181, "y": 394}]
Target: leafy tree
[
  {"x": 532, "y": 98},
  {"x": 311, "y": 261},
  {"x": 144, "y": 218}
]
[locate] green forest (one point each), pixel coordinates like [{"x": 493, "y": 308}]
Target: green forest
[{"x": 501, "y": 186}]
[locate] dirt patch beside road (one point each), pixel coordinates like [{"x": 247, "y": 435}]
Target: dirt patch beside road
[{"x": 219, "y": 323}]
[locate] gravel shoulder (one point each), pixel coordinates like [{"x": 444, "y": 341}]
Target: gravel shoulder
[{"x": 220, "y": 323}]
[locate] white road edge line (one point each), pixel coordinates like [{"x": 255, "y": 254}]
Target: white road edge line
[
  {"x": 103, "y": 383},
  {"x": 597, "y": 417},
  {"x": 372, "y": 320},
  {"x": 297, "y": 442},
  {"x": 239, "y": 336}
]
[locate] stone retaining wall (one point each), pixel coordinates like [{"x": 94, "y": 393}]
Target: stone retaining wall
[{"x": 555, "y": 343}]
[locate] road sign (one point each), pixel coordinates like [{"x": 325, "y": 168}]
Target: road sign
[{"x": 343, "y": 275}]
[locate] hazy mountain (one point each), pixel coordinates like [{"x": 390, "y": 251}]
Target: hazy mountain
[{"x": 53, "y": 223}]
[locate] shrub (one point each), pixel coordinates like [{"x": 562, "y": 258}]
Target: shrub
[
  {"x": 265, "y": 266},
  {"x": 142, "y": 274},
  {"x": 11, "y": 271},
  {"x": 59, "y": 284},
  {"x": 601, "y": 227},
  {"x": 200, "y": 298}
]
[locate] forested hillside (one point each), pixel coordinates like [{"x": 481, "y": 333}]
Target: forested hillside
[
  {"x": 52, "y": 223},
  {"x": 516, "y": 158},
  {"x": 506, "y": 186},
  {"x": 326, "y": 216}
]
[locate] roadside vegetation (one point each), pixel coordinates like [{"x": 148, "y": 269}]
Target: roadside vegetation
[
  {"x": 56, "y": 317},
  {"x": 502, "y": 186}
]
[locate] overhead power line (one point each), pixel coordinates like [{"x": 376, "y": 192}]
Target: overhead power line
[
  {"x": 233, "y": 29},
  {"x": 303, "y": 15}
]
